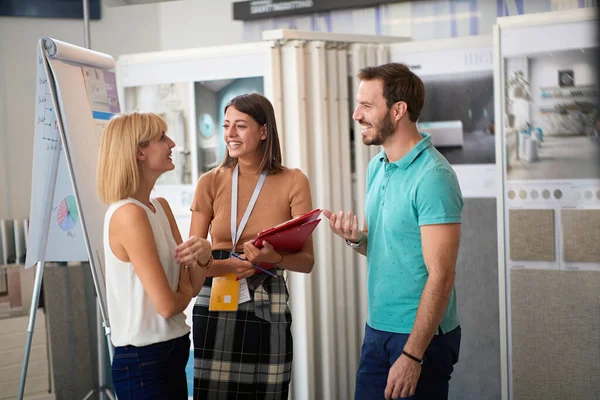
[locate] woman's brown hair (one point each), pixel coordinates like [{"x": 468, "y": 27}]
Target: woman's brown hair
[{"x": 260, "y": 109}]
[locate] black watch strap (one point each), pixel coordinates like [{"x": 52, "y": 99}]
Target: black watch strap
[{"x": 412, "y": 357}]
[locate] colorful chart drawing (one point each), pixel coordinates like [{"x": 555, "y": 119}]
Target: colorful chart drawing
[{"x": 67, "y": 213}]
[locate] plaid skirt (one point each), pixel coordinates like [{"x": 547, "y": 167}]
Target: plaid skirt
[{"x": 246, "y": 354}]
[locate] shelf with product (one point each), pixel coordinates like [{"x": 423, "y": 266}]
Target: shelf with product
[
  {"x": 558, "y": 92},
  {"x": 574, "y": 118},
  {"x": 568, "y": 110}
]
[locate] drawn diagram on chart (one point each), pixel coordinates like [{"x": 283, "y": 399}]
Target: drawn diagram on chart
[
  {"x": 67, "y": 214},
  {"x": 65, "y": 240},
  {"x": 46, "y": 118},
  {"x": 65, "y": 236}
]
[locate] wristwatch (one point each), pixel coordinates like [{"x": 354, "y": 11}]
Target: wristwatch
[{"x": 356, "y": 245}]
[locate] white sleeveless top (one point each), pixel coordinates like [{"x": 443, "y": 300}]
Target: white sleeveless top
[{"x": 133, "y": 318}]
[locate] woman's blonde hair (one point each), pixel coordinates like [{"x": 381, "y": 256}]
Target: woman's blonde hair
[{"x": 118, "y": 170}]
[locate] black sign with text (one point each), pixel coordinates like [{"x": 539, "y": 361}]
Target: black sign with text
[{"x": 261, "y": 9}]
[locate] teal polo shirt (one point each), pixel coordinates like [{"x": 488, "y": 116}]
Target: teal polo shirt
[{"x": 419, "y": 189}]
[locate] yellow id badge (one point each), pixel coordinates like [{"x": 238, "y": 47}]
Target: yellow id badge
[{"x": 225, "y": 293}]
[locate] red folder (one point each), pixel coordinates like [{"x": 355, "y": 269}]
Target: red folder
[{"x": 290, "y": 236}]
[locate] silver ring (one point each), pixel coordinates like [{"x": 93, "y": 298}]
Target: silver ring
[{"x": 186, "y": 267}]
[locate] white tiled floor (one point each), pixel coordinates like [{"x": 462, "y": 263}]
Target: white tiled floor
[{"x": 560, "y": 158}]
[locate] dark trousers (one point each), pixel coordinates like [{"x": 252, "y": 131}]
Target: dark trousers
[
  {"x": 380, "y": 350},
  {"x": 156, "y": 371}
]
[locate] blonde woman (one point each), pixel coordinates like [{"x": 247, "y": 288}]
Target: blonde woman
[{"x": 151, "y": 276}]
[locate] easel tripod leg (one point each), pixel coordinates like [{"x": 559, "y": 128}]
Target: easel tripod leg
[{"x": 37, "y": 287}]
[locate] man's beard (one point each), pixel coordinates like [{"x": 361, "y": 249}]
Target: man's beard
[{"x": 383, "y": 130}]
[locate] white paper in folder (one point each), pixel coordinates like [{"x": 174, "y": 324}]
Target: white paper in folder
[{"x": 84, "y": 99}]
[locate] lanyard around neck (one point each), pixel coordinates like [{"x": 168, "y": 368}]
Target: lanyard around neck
[{"x": 236, "y": 233}]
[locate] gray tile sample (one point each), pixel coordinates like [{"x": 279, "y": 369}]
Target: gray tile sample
[
  {"x": 555, "y": 317},
  {"x": 531, "y": 235},
  {"x": 581, "y": 235}
]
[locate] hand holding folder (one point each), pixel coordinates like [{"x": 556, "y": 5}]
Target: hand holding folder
[{"x": 288, "y": 237}]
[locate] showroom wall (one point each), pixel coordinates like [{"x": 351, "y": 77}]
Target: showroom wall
[
  {"x": 121, "y": 30},
  {"x": 191, "y": 23}
]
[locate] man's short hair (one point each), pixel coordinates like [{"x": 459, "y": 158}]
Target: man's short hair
[{"x": 399, "y": 84}]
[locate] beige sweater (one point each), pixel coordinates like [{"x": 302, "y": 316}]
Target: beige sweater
[{"x": 284, "y": 195}]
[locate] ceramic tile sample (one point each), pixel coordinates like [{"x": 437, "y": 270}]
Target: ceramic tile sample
[
  {"x": 581, "y": 235},
  {"x": 555, "y": 310},
  {"x": 531, "y": 235}
]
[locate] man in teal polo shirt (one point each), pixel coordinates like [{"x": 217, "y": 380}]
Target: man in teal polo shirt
[{"x": 411, "y": 236}]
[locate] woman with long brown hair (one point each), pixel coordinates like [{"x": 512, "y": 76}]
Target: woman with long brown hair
[{"x": 247, "y": 353}]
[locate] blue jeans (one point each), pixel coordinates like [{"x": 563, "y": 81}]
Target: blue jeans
[
  {"x": 156, "y": 371},
  {"x": 380, "y": 350}
]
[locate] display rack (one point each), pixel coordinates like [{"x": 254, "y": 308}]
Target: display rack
[{"x": 548, "y": 177}]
